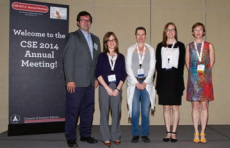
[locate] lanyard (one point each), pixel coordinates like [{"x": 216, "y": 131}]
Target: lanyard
[
  {"x": 112, "y": 61},
  {"x": 201, "y": 50},
  {"x": 141, "y": 58},
  {"x": 169, "y": 51},
  {"x": 172, "y": 45}
]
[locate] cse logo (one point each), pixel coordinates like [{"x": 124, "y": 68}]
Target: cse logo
[{"x": 29, "y": 44}]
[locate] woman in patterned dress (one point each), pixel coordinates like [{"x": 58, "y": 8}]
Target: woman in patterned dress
[{"x": 199, "y": 60}]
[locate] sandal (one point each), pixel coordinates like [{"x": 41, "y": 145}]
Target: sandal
[
  {"x": 203, "y": 139},
  {"x": 167, "y": 139},
  {"x": 107, "y": 143},
  {"x": 172, "y": 139},
  {"x": 196, "y": 140},
  {"x": 117, "y": 142}
]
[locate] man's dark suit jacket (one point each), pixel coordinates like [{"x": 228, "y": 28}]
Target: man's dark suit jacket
[{"x": 79, "y": 67}]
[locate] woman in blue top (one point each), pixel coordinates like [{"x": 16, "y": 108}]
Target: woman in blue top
[{"x": 111, "y": 74}]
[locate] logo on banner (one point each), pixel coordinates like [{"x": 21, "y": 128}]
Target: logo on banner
[
  {"x": 30, "y": 7},
  {"x": 58, "y": 13},
  {"x": 15, "y": 119}
]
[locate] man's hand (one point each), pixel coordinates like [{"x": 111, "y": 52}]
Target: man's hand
[
  {"x": 71, "y": 87},
  {"x": 96, "y": 84}
]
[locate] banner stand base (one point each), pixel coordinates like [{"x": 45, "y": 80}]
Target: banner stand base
[{"x": 35, "y": 128}]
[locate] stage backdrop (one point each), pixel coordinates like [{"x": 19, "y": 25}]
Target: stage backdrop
[{"x": 36, "y": 79}]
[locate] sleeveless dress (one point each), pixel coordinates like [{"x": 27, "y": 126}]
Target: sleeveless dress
[{"x": 199, "y": 86}]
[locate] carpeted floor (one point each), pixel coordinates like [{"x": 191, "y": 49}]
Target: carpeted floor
[{"x": 218, "y": 136}]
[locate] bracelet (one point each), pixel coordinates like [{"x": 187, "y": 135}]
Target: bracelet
[{"x": 118, "y": 89}]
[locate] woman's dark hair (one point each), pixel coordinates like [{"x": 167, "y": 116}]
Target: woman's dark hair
[{"x": 140, "y": 28}]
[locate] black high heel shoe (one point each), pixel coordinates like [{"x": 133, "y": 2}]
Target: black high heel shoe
[
  {"x": 167, "y": 139},
  {"x": 173, "y": 140}
]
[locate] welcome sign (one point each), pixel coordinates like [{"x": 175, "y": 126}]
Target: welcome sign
[{"x": 36, "y": 78}]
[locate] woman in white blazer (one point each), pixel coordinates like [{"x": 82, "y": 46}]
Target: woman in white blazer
[{"x": 140, "y": 67}]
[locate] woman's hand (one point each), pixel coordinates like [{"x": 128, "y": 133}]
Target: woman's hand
[
  {"x": 138, "y": 85},
  {"x": 109, "y": 91},
  {"x": 143, "y": 86},
  {"x": 115, "y": 92}
]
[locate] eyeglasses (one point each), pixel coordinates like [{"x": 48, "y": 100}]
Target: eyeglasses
[
  {"x": 85, "y": 21},
  {"x": 171, "y": 30},
  {"x": 198, "y": 30},
  {"x": 113, "y": 40}
]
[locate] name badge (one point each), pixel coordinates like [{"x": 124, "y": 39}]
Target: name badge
[
  {"x": 200, "y": 68},
  {"x": 140, "y": 72},
  {"x": 112, "y": 78},
  {"x": 95, "y": 46},
  {"x": 168, "y": 66}
]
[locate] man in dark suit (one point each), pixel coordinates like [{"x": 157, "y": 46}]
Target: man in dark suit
[{"x": 80, "y": 57}]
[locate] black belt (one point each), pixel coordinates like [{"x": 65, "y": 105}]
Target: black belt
[{"x": 140, "y": 79}]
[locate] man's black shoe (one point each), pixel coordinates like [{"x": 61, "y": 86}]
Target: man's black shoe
[
  {"x": 145, "y": 139},
  {"x": 135, "y": 139},
  {"x": 89, "y": 140},
  {"x": 72, "y": 143}
]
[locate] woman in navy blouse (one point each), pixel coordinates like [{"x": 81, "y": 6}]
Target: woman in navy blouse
[{"x": 111, "y": 74}]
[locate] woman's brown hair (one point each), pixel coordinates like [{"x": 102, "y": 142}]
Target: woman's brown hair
[
  {"x": 196, "y": 25},
  {"x": 164, "y": 41},
  {"x": 106, "y": 39}
]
